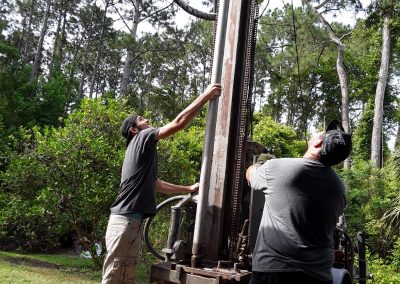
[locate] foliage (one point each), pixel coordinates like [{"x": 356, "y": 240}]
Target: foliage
[
  {"x": 180, "y": 156},
  {"x": 298, "y": 61},
  {"x": 391, "y": 217},
  {"x": 60, "y": 157},
  {"x": 371, "y": 192},
  {"x": 281, "y": 139},
  {"x": 66, "y": 178},
  {"x": 173, "y": 68},
  {"x": 70, "y": 176},
  {"x": 26, "y": 104},
  {"x": 396, "y": 253},
  {"x": 361, "y": 137},
  {"x": 383, "y": 272},
  {"x": 24, "y": 220},
  {"x": 396, "y": 162}
]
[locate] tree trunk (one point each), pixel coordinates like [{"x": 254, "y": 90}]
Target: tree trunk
[
  {"x": 71, "y": 77},
  {"x": 59, "y": 61},
  {"x": 27, "y": 34},
  {"x": 376, "y": 142},
  {"x": 345, "y": 95},
  {"x": 290, "y": 107},
  {"x": 84, "y": 71},
  {"x": 342, "y": 74},
  {"x": 85, "y": 59},
  {"x": 56, "y": 41},
  {"x": 397, "y": 141},
  {"x": 129, "y": 53},
  {"x": 99, "y": 53},
  {"x": 38, "y": 55}
]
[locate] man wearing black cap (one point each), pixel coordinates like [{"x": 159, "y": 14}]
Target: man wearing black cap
[
  {"x": 304, "y": 198},
  {"x": 137, "y": 193}
]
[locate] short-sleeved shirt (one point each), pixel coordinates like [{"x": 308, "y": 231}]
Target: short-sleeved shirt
[
  {"x": 303, "y": 201},
  {"x": 137, "y": 190}
]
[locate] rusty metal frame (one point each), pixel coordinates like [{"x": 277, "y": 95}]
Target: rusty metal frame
[{"x": 210, "y": 251}]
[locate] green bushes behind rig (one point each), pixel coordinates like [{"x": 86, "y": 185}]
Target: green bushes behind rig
[{"x": 59, "y": 182}]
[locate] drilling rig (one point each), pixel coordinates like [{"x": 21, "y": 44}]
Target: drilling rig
[{"x": 221, "y": 221}]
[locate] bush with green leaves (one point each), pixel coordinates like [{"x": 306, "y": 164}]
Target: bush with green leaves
[
  {"x": 69, "y": 177},
  {"x": 396, "y": 253},
  {"x": 371, "y": 192},
  {"x": 180, "y": 156},
  {"x": 64, "y": 179},
  {"x": 382, "y": 272},
  {"x": 274, "y": 135},
  {"x": 24, "y": 220}
]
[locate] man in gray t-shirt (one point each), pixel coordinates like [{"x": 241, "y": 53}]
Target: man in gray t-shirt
[
  {"x": 136, "y": 197},
  {"x": 303, "y": 200}
]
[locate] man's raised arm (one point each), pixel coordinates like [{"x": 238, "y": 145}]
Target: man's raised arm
[{"x": 190, "y": 112}]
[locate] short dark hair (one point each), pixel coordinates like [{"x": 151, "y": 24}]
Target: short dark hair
[
  {"x": 336, "y": 145},
  {"x": 127, "y": 124}
]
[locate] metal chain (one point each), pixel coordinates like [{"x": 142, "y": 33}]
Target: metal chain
[{"x": 244, "y": 125}]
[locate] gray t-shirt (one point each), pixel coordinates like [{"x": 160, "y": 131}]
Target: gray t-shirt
[
  {"x": 137, "y": 190},
  {"x": 303, "y": 200}
]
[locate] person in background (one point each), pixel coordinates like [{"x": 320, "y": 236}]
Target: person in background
[
  {"x": 136, "y": 197},
  {"x": 304, "y": 198}
]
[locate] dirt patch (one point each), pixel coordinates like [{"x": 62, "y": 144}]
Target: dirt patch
[
  {"x": 65, "y": 251},
  {"x": 30, "y": 262}
]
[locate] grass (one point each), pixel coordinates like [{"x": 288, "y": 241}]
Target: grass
[
  {"x": 25, "y": 273},
  {"x": 63, "y": 269},
  {"x": 45, "y": 269},
  {"x": 55, "y": 268},
  {"x": 71, "y": 261}
]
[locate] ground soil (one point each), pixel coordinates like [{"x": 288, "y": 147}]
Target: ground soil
[
  {"x": 30, "y": 262},
  {"x": 38, "y": 263}
]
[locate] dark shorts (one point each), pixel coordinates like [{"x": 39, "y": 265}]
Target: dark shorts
[{"x": 284, "y": 278}]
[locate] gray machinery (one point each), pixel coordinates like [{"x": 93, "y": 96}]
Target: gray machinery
[{"x": 211, "y": 235}]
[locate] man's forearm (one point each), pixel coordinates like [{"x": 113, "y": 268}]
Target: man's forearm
[
  {"x": 184, "y": 117},
  {"x": 187, "y": 115},
  {"x": 191, "y": 111},
  {"x": 166, "y": 187}
]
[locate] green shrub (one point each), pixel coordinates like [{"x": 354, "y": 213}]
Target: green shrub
[
  {"x": 66, "y": 179},
  {"x": 382, "y": 272},
  {"x": 277, "y": 136}
]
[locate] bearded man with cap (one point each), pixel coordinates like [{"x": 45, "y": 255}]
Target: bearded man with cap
[
  {"x": 136, "y": 198},
  {"x": 304, "y": 198}
]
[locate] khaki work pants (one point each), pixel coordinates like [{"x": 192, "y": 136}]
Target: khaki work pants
[{"x": 123, "y": 240}]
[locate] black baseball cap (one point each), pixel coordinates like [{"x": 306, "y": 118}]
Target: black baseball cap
[
  {"x": 128, "y": 122},
  {"x": 336, "y": 145}
]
